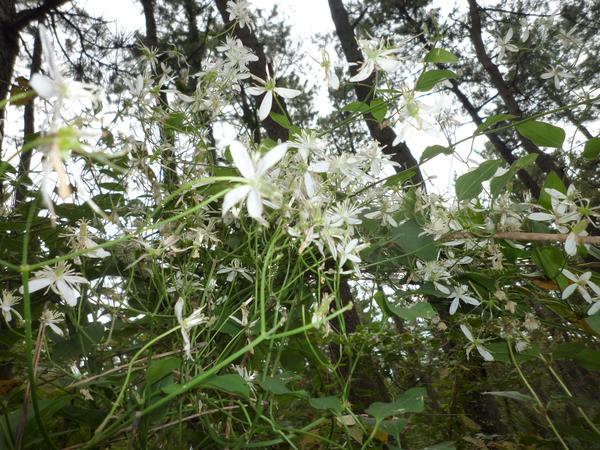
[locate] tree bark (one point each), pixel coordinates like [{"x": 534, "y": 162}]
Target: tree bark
[
  {"x": 259, "y": 69},
  {"x": 9, "y": 49},
  {"x": 544, "y": 161},
  {"x": 28, "y": 126},
  {"x": 169, "y": 162},
  {"x": 400, "y": 153}
]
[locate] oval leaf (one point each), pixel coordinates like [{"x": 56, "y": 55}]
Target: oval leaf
[
  {"x": 429, "y": 79},
  {"x": 542, "y": 134},
  {"x": 439, "y": 55},
  {"x": 592, "y": 149},
  {"x": 469, "y": 185}
]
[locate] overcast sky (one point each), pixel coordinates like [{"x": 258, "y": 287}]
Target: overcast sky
[{"x": 307, "y": 19}]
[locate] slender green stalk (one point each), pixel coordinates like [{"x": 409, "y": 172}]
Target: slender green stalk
[
  {"x": 539, "y": 402},
  {"x": 28, "y": 327},
  {"x": 568, "y": 392}
]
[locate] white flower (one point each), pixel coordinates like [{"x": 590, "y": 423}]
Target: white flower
[
  {"x": 345, "y": 213},
  {"x": 320, "y": 312},
  {"x": 239, "y": 10},
  {"x": 556, "y": 72},
  {"x": 237, "y": 55},
  {"x": 580, "y": 283},
  {"x": 377, "y": 56},
  {"x": 253, "y": 168},
  {"x": 269, "y": 88},
  {"x": 50, "y": 318},
  {"x": 9, "y": 300},
  {"x": 248, "y": 375},
  {"x": 350, "y": 251},
  {"x": 79, "y": 239},
  {"x": 525, "y": 29},
  {"x": 330, "y": 76},
  {"x": 234, "y": 269},
  {"x": 61, "y": 279},
  {"x": 504, "y": 44},
  {"x": 460, "y": 293},
  {"x": 54, "y": 86},
  {"x": 475, "y": 343},
  {"x": 194, "y": 319},
  {"x": 568, "y": 38},
  {"x": 594, "y": 308},
  {"x": 434, "y": 272}
]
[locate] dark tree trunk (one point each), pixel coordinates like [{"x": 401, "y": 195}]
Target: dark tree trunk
[
  {"x": 259, "y": 69},
  {"x": 364, "y": 90},
  {"x": 169, "y": 162},
  {"x": 544, "y": 161},
  {"x": 28, "y": 127},
  {"x": 9, "y": 49}
]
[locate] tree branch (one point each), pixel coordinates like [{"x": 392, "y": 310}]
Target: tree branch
[
  {"x": 364, "y": 92},
  {"x": 544, "y": 161},
  {"x": 259, "y": 69},
  {"x": 25, "y": 17}
]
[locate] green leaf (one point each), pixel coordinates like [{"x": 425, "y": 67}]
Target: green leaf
[
  {"x": 356, "y": 107},
  {"x": 277, "y": 387},
  {"x": 433, "y": 150},
  {"x": 411, "y": 401},
  {"x": 551, "y": 260},
  {"x": 542, "y": 134},
  {"x": 592, "y": 148},
  {"x": 429, "y": 79},
  {"x": 594, "y": 322},
  {"x": 499, "y": 351},
  {"x": 439, "y": 55},
  {"x": 515, "y": 395},
  {"x": 231, "y": 382},
  {"x": 80, "y": 343},
  {"x": 400, "y": 178},
  {"x": 498, "y": 184},
  {"x": 382, "y": 302},
  {"x": 469, "y": 185},
  {"x": 525, "y": 161},
  {"x": 323, "y": 403},
  {"x": 411, "y": 240},
  {"x": 493, "y": 120},
  {"x": 552, "y": 181},
  {"x": 449, "y": 445},
  {"x": 160, "y": 368},
  {"x": 420, "y": 309},
  {"x": 284, "y": 122},
  {"x": 378, "y": 109}
]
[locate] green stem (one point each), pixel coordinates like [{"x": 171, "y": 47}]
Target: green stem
[
  {"x": 568, "y": 392},
  {"x": 28, "y": 327},
  {"x": 535, "y": 396}
]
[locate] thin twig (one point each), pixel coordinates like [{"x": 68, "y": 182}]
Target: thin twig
[
  {"x": 166, "y": 425},
  {"x": 524, "y": 236}
]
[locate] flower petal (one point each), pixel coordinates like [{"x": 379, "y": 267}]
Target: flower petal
[
  {"x": 485, "y": 353},
  {"x": 467, "y": 332},
  {"x": 365, "y": 72},
  {"x": 43, "y": 85},
  {"x": 265, "y": 106},
  {"x": 254, "y": 204},
  {"x": 255, "y": 90},
  {"x": 241, "y": 159},
  {"x": 271, "y": 158},
  {"x": 568, "y": 291},
  {"x": 234, "y": 196},
  {"x": 55, "y": 328},
  {"x": 287, "y": 93},
  {"x": 67, "y": 292},
  {"x": 454, "y": 306},
  {"x": 36, "y": 284}
]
